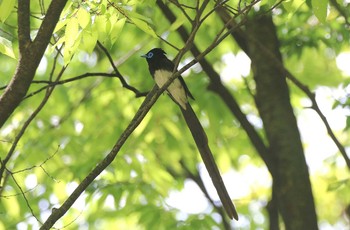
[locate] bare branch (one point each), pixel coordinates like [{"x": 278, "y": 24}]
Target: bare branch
[
  {"x": 68, "y": 80},
  {"x": 24, "y": 196},
  {"x": 26, "y": 125},
  {"x": 307, "y": 92},
  {"x": 181, "y": 7},
  {"x": 317, "y": 109},
  {"x": 118, "y": 74},
  {"x": 29, "y": 59},
  {"x": 23, "y": 24}
]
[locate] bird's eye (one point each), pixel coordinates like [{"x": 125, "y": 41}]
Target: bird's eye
[{"x": 150, "y": 55}]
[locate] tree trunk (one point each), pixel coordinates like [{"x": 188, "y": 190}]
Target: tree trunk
[
  {"x": 291, "y": 183},
  {"x": 30, "y": 54}
]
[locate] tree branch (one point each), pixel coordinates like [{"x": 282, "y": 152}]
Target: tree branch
[
  {"x": 24, "y": 196},
  {"x": 241, "y": 37},
  {"x": 23, "y": 25},
  {"x": 30, "y": 56},
  {"x": 56, "y": 214},
  {"x": 118, "y": 74},
  {"x": 150, "y": 99},
  {"x": 24, "y": 128},
  {"x": 79, "y": 77}
]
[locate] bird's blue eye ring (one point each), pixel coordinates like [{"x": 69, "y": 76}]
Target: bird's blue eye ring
[{"x": 150, "y": 55}]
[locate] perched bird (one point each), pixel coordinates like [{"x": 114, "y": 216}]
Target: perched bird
[{"x": 161, "y": 69}]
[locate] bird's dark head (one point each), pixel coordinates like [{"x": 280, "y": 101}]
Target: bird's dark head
[{"x": 154, "y": 55}]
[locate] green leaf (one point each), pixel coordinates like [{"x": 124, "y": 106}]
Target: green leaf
[
  {"x": 71, "y": 38},
  {"x": 144, "y": 27},
  {"x": 6, "y": 47},
  {"x": 320, "y": 9},
  {"x": 83, "y": 18},
  {"x": 99, "y": 26},
  {"x": 6, "y": 8},
  {"x": 179, "y": 22},
  {"x": 292, "y": 6},
  {"x": 347, "y": 123},
  {"x": 12, "y": 206},
  {"x": 336, "y": 185},
  {"x": 116, "y": 29},
  {"x": 71, "y": 32},
  {"x": 89, "y": 40},
  {"x": 173, "y": 129},
  {"x": 60, "y": 25}
]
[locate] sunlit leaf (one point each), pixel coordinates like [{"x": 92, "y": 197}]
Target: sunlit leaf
[
  {"x": 60, "y": 25},
  {"x": 173, "y": 129},
  {"x": 320, "y": 9},
  {"x": 117, "y": 29},
  {"x": 83, "y": 18},
  {"x": 292, "y": 6},
  {"x": 89, "y": 40},
  {"x": 6, "y": 47},
  {"x": 178, "y": 22},
  {"x": 6, "y": 8},
  {"x": 71, "y": 38},
  {"x": 12, "y": 205},
  {"x": 99, "y": 26},
  {"x": 71, "y": 32},
  {"x": 338, "y": 184},
  {"x": 144, "y": 27}
]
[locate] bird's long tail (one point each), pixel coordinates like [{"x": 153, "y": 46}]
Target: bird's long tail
[{"x": 201, "y": 140}]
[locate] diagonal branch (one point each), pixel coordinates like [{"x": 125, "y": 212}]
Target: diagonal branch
[
  {"x": 76, "y": 78},
  {"x": 118, "y": 74},
  {"x": 150, "y": 99},
  {"x": 23, "y": 24},
  {"x": 140, "y": 114}
]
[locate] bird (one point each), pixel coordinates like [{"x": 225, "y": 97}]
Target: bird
[{"x": 161, "y": 70}]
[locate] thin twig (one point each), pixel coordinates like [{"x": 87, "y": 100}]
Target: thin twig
[
  {"x": 180, "y": 6},
  {"x": 18, "y": 193},
  {"x": 24, "y": 196},
  {"x": 117, "y": 73},
  {"x": 27, "y": 123},
  {"x": 40, "y": 165},
  {"x": 308, "y": 93}
]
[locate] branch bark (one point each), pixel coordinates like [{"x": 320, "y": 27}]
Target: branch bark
[
  {"x": 242, "y": 38},
  {"x": 292, "y": 185},
  {"x": 30, "y": 54}
]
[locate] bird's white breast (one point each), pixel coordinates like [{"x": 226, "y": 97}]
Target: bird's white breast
[{"x": 175, "y": 89}]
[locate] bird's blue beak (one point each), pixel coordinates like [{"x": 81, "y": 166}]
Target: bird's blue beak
[{"x": 144, "y": 55}]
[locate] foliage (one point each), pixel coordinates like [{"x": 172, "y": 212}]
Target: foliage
[{"x": 83, "y": 118}]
